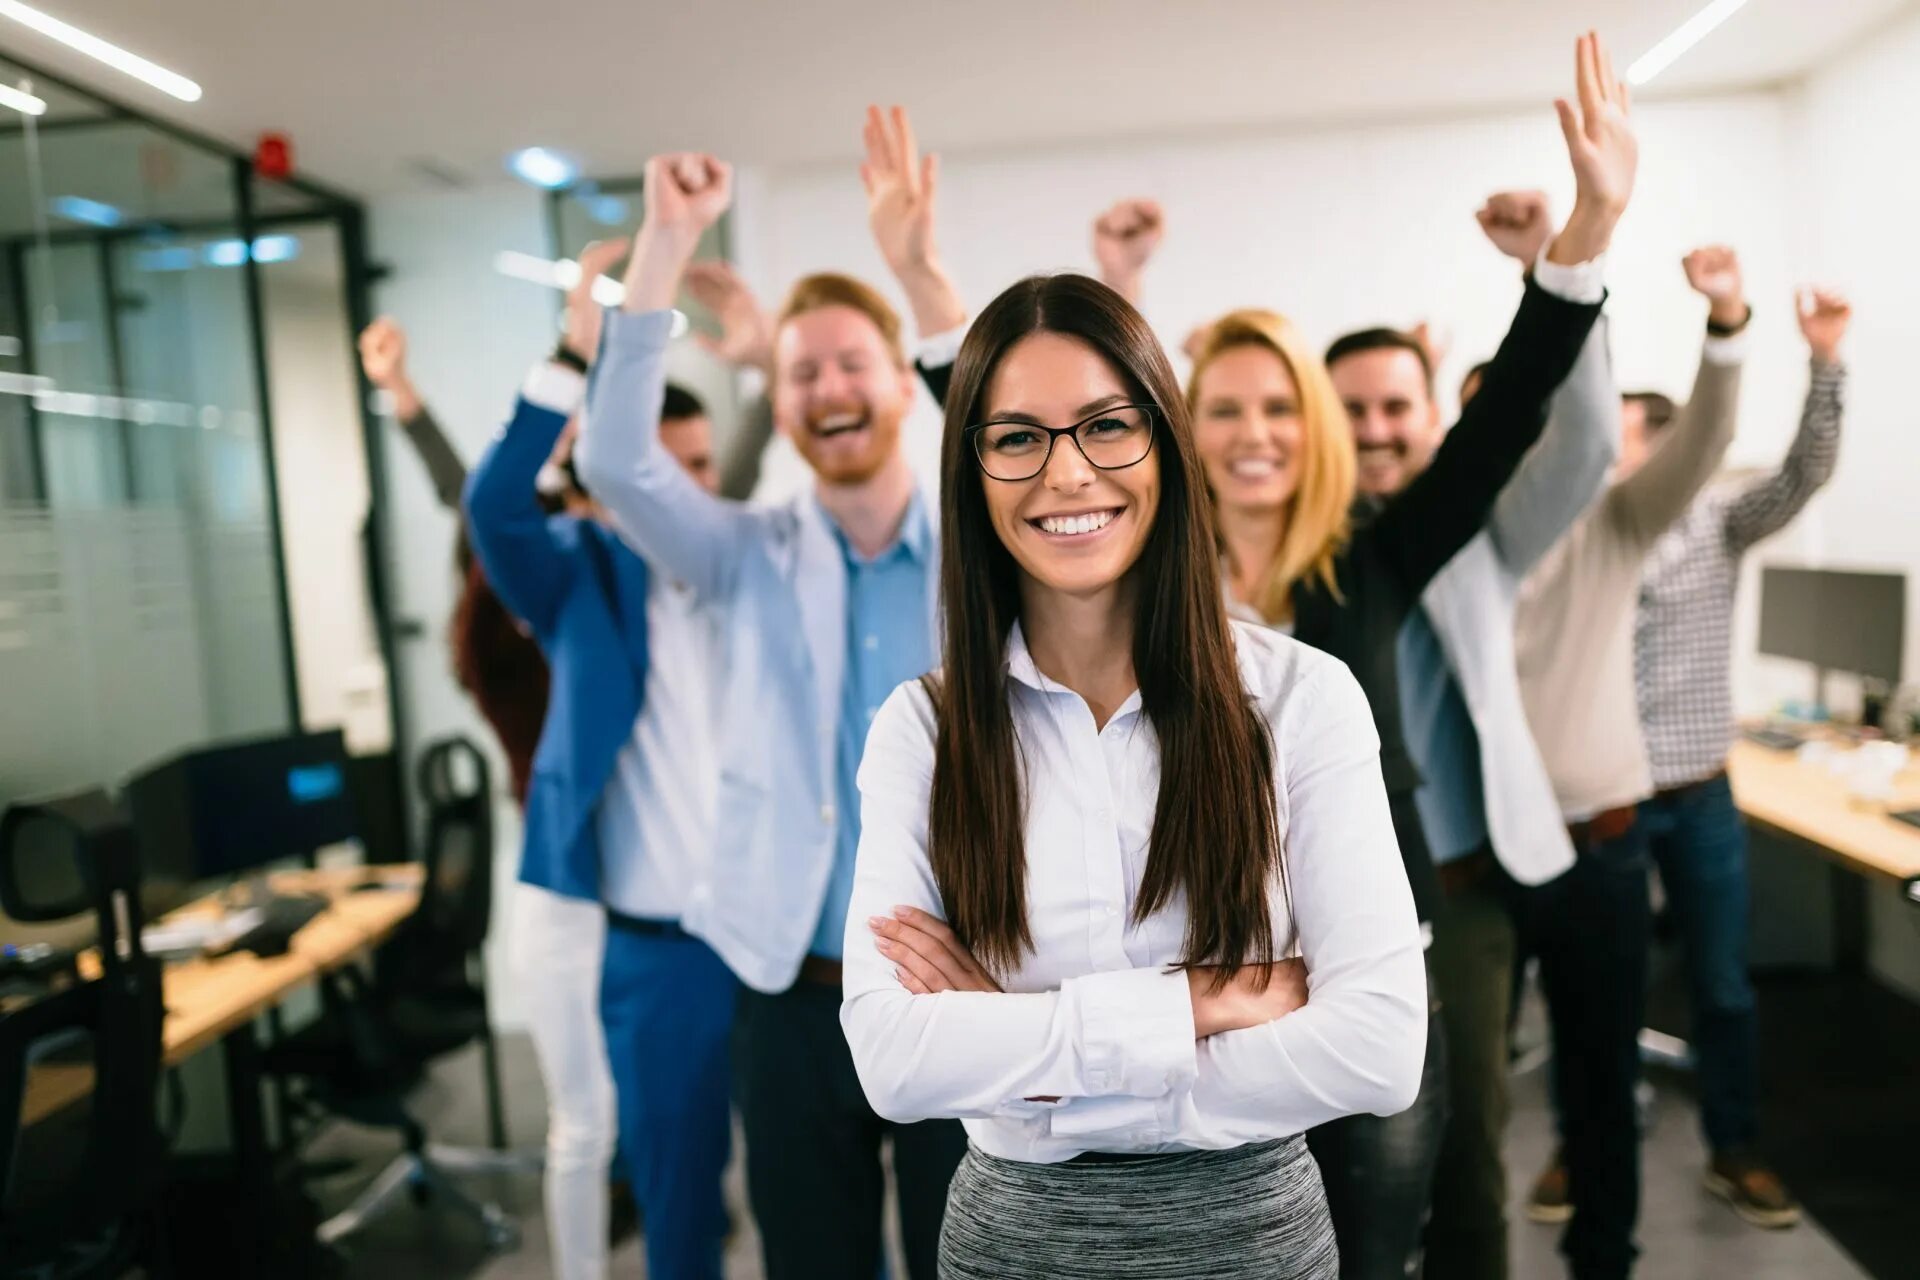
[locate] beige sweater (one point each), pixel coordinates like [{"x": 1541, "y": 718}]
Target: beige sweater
[{"x": 1573, "y": 627}]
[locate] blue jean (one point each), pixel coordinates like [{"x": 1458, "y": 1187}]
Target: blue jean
[
  {"x": 1378, "y": 1171},
  {"x": 668, "y": 1003},
  {"x": 1700, "y": 845}
]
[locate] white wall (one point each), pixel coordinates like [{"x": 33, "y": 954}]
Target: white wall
[{"x": 1351, "y": 227}]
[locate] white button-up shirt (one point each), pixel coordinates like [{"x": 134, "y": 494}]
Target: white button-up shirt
[{"x": 1092, "y": 1015}]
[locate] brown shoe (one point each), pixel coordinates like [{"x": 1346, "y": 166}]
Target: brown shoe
[
  {"x": 1552, "y": 1198},
  {"x": 1755, "y": 1191}
]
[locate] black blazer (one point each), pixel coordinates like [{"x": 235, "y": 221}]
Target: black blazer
[{"x": 1399, "y": 545}]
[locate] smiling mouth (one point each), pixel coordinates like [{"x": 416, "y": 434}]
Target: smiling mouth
[
  {"x": 1255, "y": 468},
  {"x": 1076, "y": 526},
  {"x": 840, "y": 424}
]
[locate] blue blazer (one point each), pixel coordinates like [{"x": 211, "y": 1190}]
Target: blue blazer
[{"x": 583, "y": 594}]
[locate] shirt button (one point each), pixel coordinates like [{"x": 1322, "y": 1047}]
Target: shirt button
[
  {"x": 1112, "y": 911},
  {"x": 826, "y": 813},
  {"x": 872, "y": 642}
]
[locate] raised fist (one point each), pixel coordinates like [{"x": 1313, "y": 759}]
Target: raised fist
[
  {"x": 1124, "y": 238},
  {"x": 687, "y": 191},
  {"x": 1824, "y": 317},
  {"x": 1518, "y": 223},
  {"x": 383, "y": 353}
]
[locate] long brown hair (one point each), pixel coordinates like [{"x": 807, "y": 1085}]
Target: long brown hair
[{"x": 1215, "y": 831}]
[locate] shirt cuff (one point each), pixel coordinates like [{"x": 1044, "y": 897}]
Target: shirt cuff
[
  {"x": 1583, "y": 282},
  {"x": 1725, "y": 351},
  {"x": 941, "y": 349},
  {"x": 627, "y": 332},
  {"x": 1136, "y": 1031},
  {"x": 555, "y": 387},
  {"x": 1136, "y": 1122}
]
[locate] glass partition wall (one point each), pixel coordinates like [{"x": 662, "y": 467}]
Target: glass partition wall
[{"x": 169, "y": 324}]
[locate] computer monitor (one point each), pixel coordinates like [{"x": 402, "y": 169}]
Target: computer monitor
[
  {"x": 231, "y": 810},
  {"x": 1838, "y": 621}
]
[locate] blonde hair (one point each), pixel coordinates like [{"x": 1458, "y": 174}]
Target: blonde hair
[
  {"x": 1318, "y": 524},
  {"x": 831, "y": 289}
]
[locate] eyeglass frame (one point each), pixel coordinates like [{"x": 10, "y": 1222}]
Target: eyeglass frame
[{"x": 1154, "y": 416}]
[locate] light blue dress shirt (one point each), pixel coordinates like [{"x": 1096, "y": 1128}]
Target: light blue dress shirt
[
  {"x": 1441, "y": 739},
  {"x": 887, "y": 645}
]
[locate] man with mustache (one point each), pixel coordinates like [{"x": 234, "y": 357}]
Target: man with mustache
[{"x": 827, "y": 604}]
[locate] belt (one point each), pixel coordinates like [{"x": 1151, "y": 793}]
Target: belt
[
  {"x": 1464, "y": 873},
  {"x": 643, "y": 925},
  {"x": 821, "y": 971},
  {"x": 1608, "y": 824},
  {"x": 1688, "y": 788}
]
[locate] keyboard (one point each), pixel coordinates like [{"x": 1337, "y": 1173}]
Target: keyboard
[{"x": 1774, "y": 739}]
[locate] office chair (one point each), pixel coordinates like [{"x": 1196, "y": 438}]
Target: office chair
[
  {"x": 79, "y": 1189},
  {"x": 426, "y": 999}
]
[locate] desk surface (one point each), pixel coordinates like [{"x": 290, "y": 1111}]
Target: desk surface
[
  {"x": 207, "y": 998},
  {"x": 1805, "y": 801}
]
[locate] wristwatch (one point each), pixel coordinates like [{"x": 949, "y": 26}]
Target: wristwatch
[{"x": 566, "y": 355}]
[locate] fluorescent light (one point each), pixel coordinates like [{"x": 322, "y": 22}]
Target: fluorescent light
[
  {"x": 563, "y": 275},
  {"x": 80, "y": 209},
  {"x": 225, "y": 253},
  {"x": 94, "y": 47},
  {"x": 540, "y": 166},
  {"x": 1684, "y": 37},
  {"x": 276, "y": 248},
  {"x": 22, "y": 101}
]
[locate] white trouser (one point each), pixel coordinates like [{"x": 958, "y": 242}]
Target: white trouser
[{"x": 557, "y": 946}]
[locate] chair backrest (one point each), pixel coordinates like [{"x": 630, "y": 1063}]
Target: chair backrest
[
  {"x": 456, "y": 905},
  {"x": 75, "y": 1184}
]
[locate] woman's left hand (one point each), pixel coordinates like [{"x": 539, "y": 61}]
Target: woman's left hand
[{"x": 927, "y": 957}]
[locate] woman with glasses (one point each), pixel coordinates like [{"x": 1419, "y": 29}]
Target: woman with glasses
[
  {"x": 1279, "y": 457},
  {"x": 1105, "y": 844}
]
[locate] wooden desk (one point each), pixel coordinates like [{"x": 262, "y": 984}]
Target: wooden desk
[
  {"x": 208, "y": 999},
  {"x": 1806, "y": 802}
]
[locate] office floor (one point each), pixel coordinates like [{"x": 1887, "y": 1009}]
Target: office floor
[{"x": 1685, "y": 1234}]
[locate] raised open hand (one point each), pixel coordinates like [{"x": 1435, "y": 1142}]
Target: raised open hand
[
  {"x": 746, "y": 332},
  {"x": 901, "y": 187},
  {"x": 583, "y": 309},
  {"x": 1603, "y": 150}
]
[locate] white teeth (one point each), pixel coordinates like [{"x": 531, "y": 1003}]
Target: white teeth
[
  {"x": 840, "y": 420},
  {"x": 1077, "y": 524},
  {"x": 1254, "y": 468}
]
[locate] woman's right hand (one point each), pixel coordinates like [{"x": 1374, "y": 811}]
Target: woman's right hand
[{"x": 1242, "y": 1002}]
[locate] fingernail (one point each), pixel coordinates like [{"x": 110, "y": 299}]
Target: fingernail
[
  {"x": 874, "y": 922},
  {"x": 884, "y": 945},
  {"x": 902, "y": 912}
]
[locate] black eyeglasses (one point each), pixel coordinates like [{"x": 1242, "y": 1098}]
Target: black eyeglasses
[{"x": 1112, "y": 440}]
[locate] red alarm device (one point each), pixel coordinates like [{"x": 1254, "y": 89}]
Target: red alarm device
[{"x": 273, "y": 155}]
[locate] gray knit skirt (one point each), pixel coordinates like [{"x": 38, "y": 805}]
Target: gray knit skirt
[{"x": 1254, "y": 1211}]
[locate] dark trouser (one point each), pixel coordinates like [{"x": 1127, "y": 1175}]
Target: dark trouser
[
  {"x": 1472, "y": 960},
  {"x": 813, "y": 1147},
  {"x": 1378, "y": 1172},
  {"x": 667, "y": 1002},
  {"x": 1591, "y": 928},
  {"x": 1700, "y": 845}
]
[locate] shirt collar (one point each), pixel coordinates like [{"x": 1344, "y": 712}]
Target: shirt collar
[
  {"x": 915, "y": 537},
  {"x": 1020, "y": 666}
]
